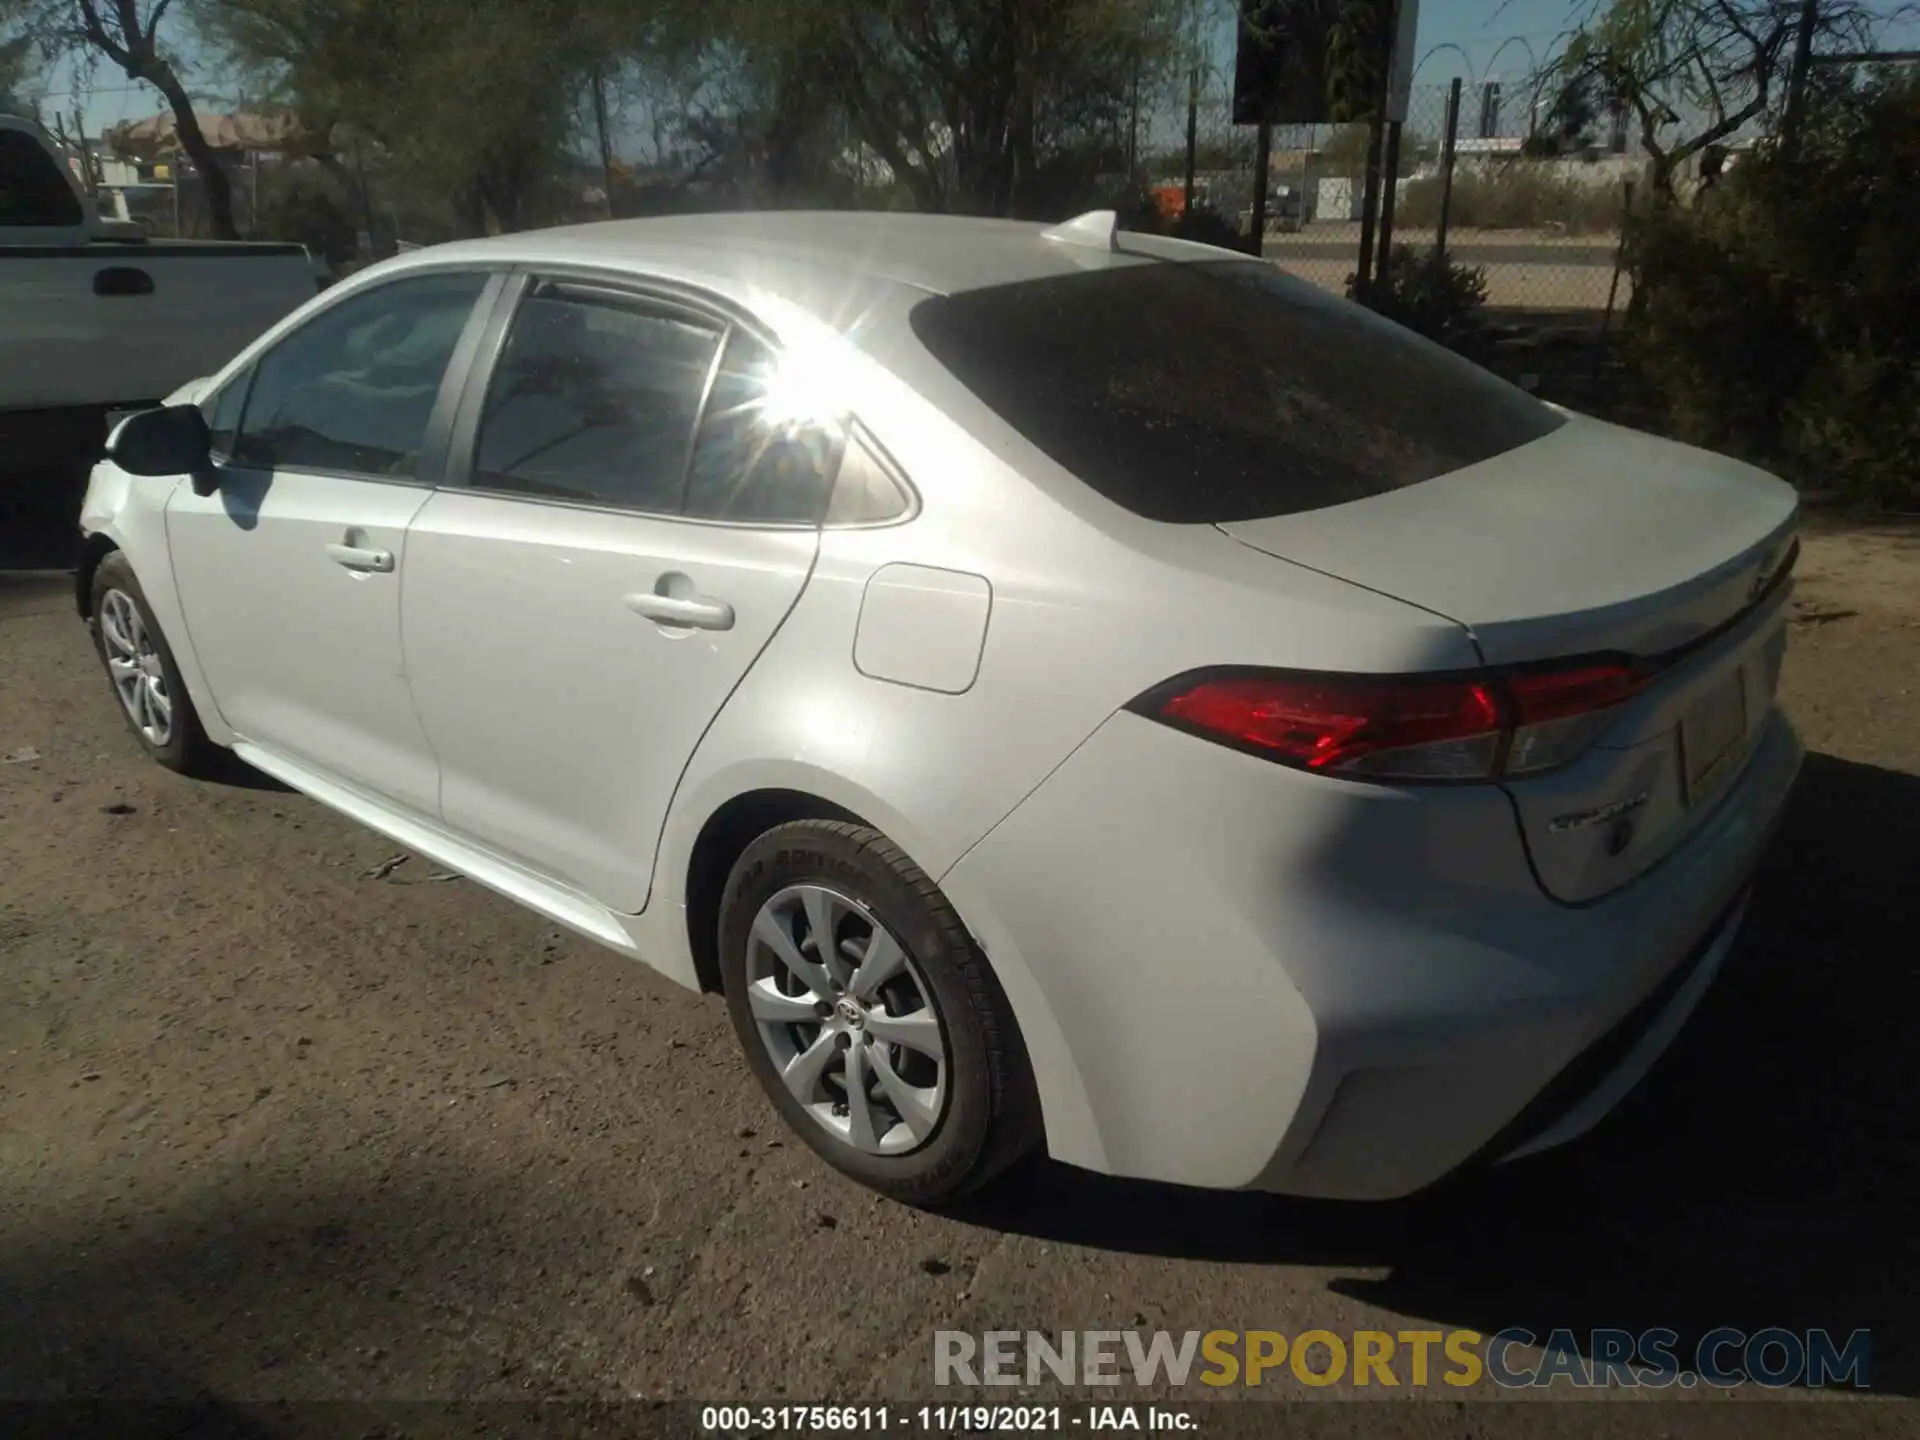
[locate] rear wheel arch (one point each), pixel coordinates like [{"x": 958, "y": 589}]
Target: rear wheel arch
[
  {"x": 737, "y": 819},
  {"x": 990, "y": 1112},
  {"x": 721, "y": 842}
]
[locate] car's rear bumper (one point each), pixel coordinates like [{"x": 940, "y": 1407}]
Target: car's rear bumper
[{"x": 1283, "y": 981}]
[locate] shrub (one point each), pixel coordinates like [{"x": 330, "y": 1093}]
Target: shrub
[
  {"x": 1779, "y": 316},
  {"x": 1139, "y": 211},
  {"x": 1204, "y": 224},
  {"x": 1208, "y": 226},
  {"x": 1442, "y": 302},
  {"x": 1516, "y": 196},
  {"x": 302, "y": 202}
]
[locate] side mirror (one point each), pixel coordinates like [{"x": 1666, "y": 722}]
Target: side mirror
[{"x": 173, "y": 440}]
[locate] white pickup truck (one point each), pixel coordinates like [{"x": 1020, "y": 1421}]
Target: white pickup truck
[{"x": 95, "y": 319}]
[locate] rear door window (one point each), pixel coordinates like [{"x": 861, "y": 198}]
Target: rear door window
[
  {"x": 757, "y": 461},
  {"x": 594, "y": 400},
  {"x": 1221, "y": 391}
]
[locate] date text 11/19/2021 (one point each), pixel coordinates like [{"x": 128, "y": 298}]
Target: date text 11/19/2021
[{"x": 937, "y": 1419}]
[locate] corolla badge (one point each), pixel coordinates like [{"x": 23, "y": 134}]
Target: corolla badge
[{"x": 1585, "y": 819}]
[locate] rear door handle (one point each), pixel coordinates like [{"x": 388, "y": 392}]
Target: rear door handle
[
  {"x": 356, "y": 557},
  {"x": 697, "y": 612}
]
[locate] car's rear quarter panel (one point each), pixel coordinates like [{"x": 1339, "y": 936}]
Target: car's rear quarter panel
[
  {"x": 1222, "y": 938},
  {"x": 1089, "y": 608}
]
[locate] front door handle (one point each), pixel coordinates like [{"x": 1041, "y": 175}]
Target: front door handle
[
  {"x": 697, "y": 612},
  {"x": 358, "y": 557}
]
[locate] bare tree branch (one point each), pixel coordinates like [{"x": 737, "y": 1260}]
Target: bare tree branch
[
  {"x": 1703, "y": 68},
  {"x": 95, "y": 33}
]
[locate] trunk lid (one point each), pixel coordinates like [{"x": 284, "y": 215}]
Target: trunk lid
[
  {"x": 1594, "y": 538},
  {"x": 1635, "y": 797}
]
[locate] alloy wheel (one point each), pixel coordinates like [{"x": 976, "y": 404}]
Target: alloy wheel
[
  {"x": 139, "y": 678},
  {"x": 847, "y": 1019}
]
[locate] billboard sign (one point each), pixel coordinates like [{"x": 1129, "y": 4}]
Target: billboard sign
[{"x": 1318, "y": 62}]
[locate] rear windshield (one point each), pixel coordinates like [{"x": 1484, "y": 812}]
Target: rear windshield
[
  {"x": 32, "y": 189},
  {"x": 1224, "y": 390}
]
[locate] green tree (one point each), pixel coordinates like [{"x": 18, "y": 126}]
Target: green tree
[
  {"x": 1781, "y": 320},
  {"x": 757, "y": 113},
  {"x": 967, "y": 102},
  {"x": 1571, "y": 117},
  {"x": 1354, "y": 52},
  {"x": 1344, "y": 151},
  {"x": 473, "y": 101},
  {"x": 129, "y": 37},
  {"x": 1692, "y": 73},
  {"x": 16, "y": 71}
]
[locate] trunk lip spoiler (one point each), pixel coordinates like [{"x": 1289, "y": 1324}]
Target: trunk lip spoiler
[
  {"x": 1772, "y": 581},
  {"x": 1778, "y": 550},
  {"x": 1775, "y": 570}
]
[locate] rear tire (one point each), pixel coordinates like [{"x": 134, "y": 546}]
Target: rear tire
[
  {"x": 928, "y": 1129},
  {"x": 143, "y": 675}
]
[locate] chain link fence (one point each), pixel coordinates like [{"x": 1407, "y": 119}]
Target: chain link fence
[{"x": 1545, "y": 232}]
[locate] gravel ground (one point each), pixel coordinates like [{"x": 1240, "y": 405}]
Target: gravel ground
[{"x": 279, "y": 1122}]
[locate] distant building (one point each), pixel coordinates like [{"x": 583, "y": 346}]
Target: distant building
[{"x": 1488, "y": 145}]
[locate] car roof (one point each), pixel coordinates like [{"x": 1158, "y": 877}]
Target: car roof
[
  {"x": 807, "y": 255},
  {"x": 940, "y": 254}
]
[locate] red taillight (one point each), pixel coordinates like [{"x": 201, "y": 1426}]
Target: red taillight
[
  {"x": 1325, "y": 723},
  {"x": 1543, "y": 695},
  {"x": 1454, "y": 728},
  {"x": 1558, "y": 713}
]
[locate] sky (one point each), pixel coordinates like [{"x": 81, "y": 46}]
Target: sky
[{"x": 1494, "y": 34}]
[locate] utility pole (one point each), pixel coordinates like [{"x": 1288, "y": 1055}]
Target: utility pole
[
  {"x": 87, "y": 169},
  {"x": 1369, "y": 206},
  {"x": 1389, "y": 192},
  {"x": 1133, "y": 125},
  {"x": 1193, "y": 132},
  {"x": 1263, "y": 163},
  {"x": 1370, "y": 199},
  {"x": 606, "y": 143},
  {"x": 1446, "y": 176},
  {"x": 366, "y": 200},
  {"x": 86, "y": 165}
]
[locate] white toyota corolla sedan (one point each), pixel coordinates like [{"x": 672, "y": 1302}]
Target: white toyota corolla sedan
[{"x": 1065, "y": 688}]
